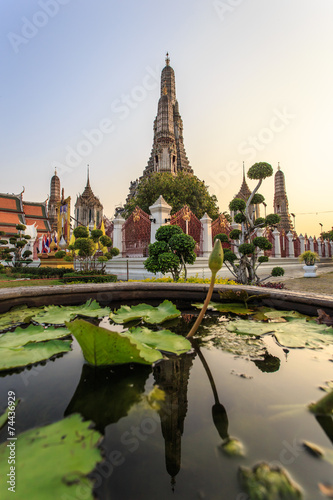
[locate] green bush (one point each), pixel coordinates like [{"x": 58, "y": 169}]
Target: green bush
[
  {"x": 277, "y": 271},
  {"x": 60, "y": 254},
  {"x": 222, "y": 237},
  {"x": 106, "y": 278}
]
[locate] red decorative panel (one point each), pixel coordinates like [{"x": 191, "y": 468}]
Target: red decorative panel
[
  {"x": 221, "y": 225},
  {"x": 315, "y": 245},
  {"x": 297, "y": 246},
  {"x": 191, "y": 225},
  {"x": 269, "y": 235},
  {"x": 136, "y": 234}
]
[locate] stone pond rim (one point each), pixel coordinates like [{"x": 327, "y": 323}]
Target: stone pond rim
[{"x": 186, "y": 293}]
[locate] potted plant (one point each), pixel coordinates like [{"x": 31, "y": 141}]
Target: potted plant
[{"x": 309, "y": 258}]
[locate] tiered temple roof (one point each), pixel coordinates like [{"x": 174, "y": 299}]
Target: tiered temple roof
[
  {"x": 88, "y": 208},
  {"x": 13, "y": 211},
  {"x": 245, "y": 191}
]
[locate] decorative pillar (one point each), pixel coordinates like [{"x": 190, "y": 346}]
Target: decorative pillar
[
  {"x": 327, "y": 244},
  {"x": 207, "y": 244},
  {"x": 320, "y": 243},
  {"x": 118, "y": 223},
  {"x": 160, "y": 212},
  {"x": 302, "y": 242},
  {"x": 277, "y": 246},
  {"x": 311, "y": 243},
  {"x": 291, "y": 248}
]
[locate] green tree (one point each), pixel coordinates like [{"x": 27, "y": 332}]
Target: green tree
[
  {"x": 171, "y": 252},
  {"x": 87, "y": 248},
  {"x": 249, "y": 245},
  {"x": 15, "y": 255},
  {"x": 182, "y": 189}
]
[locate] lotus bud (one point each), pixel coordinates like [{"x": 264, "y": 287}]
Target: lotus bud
[{"x": 216, "y": 257}]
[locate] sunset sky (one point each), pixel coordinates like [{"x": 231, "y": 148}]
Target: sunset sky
[{"x": 80, "y": 84}]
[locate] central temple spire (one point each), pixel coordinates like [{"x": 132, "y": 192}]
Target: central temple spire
[{"x": 168, "y": 151}]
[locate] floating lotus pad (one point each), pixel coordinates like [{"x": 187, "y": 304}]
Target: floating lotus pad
[
  {"x": 58, "y": 315},
  {"x": 53, "y": 461},
  {"x": 232, "y": 307},
  {"x": 163, "y": 340},
  {"x": 25, "y": 346},
  {"x": 102, "y": 347},
  {"x": 265, "y": 482},
  {"x": 33, "y": 333},
  {"x": 17, "y": 315},
  {"x": 165, "y": 311},
  {"x": 16, "y": 357},
  {"x": 296, "y": 333},
  {"x": 4, "y": 416}
]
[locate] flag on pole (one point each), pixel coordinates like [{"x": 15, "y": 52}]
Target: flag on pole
[{"x": 103, "y": 227}]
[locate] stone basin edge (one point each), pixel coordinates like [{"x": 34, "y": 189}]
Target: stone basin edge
[{"x": 307, "y": 303}]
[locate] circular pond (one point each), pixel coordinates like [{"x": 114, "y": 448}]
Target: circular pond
[{"x": 185, "y": 426}]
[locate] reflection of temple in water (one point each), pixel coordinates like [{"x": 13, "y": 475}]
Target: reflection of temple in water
[{"x": 172, "y": 376}]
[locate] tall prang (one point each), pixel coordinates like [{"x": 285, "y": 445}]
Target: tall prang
[
  {"x": 53, "y": 201},
  {"x": 168, "y": 151},
  {"x": 281, "y": 206}
]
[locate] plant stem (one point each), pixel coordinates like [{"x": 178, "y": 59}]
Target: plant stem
[{"x": 204, "y": 309}]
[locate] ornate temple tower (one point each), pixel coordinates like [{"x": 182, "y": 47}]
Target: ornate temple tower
[
  {"x": 88, "y": 208},
  {"x": 281, "y": 206},
  {"x": 168, "y": 151},
  {"x": 53, "y": 201},
  {"x": 244, "y": 194}
]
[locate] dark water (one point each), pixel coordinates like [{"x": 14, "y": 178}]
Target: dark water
[{"x": 174, "y": 452}]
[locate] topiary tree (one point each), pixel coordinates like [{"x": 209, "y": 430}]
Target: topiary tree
[
  {"x": 177, "y": 190},
  {"x": 249, "y": 245},
  {"x": 15, "y": 255},
  {"x": 171, "y": 252},
  {"x": 86, "y": 248}
]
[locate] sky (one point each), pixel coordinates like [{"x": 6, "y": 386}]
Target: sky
[{"x": 80, "y": 83}]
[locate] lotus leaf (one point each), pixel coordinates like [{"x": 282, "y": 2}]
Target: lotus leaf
[
  {"x": 324, "y": 406},
  {"x": 58, "y": 315},
  {"x": 233, "y": 447},
  {"x": 328, "y": 387},
  {"x": 17, "y": 315},
  {"x": 106, "y": 395},
  {"x": 102, "y": 347},
  {"x": 4, "y": 416},
  {"x": 163, "y": 340},
  {"x": 264, "y": 482},
  {"x": 232, "y": 307},
  {"x": 229, "y": 341},
  {"x": 53, "y": 461},
  {"x": 282, "y": 315},
  {"x": 33, "y": 333},
  {"x": 294, "y": 334},
  {"x": 155, "y": 397},
  {"x": 165, "y": 311},
  {"x": 324, "y": 453},
  {"x": 16, "y": 357}
]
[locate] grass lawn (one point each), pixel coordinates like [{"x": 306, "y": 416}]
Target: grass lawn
[{"x": 10, "y": 282}]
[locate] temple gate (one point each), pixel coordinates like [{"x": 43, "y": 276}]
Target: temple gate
[
  {"x": 136, "y": 234},
  {"x": 191, "y": 225}
]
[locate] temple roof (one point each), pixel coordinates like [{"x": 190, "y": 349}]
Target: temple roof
[
  {"x": 13, "y": 211},
  {"x": 245, "y": 191},
  {"x": 88, "y": 198}
]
